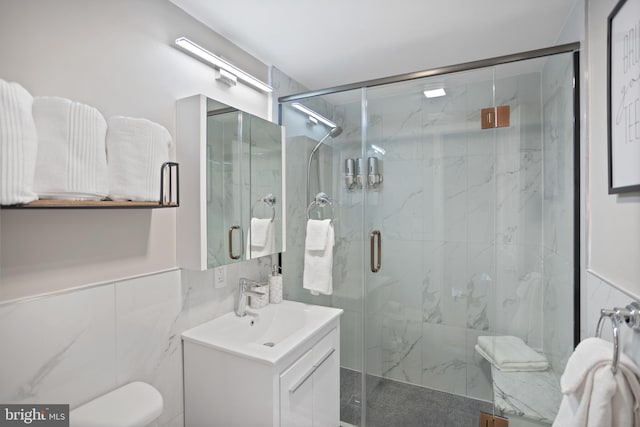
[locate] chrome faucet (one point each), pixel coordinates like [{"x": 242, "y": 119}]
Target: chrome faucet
[{"x": 245, "y": 288}]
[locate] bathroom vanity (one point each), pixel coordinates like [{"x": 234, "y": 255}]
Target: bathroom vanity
[{"x": 277, "y": 366}]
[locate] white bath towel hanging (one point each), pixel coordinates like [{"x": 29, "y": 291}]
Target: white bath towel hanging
[
  {"x": 72, "y": 159},
  {"x": 318, "y": 261},
  {"x": 261, "y": 237},
  {"x": 18, "y": 145},
  {"x": 136, "y": 150},
  {"x": 509, "y": 353},
  {"x": 593, "y": 395}
]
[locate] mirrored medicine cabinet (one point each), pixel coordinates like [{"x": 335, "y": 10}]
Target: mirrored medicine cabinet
[{"x": 232, "y": 185}]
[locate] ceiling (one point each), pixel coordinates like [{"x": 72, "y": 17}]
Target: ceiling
[{"x": 333, "y": 42}]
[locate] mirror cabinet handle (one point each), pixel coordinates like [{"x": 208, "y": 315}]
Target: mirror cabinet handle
[{"x": 231, "y": 255}]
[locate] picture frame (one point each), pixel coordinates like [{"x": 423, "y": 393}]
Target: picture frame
[{"x": 623, "y": 97}]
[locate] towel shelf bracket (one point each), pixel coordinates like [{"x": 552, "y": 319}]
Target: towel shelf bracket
[{"x": 169, "y": 196}]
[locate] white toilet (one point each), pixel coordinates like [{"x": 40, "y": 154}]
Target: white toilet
[{"x": 135, "y": 404}]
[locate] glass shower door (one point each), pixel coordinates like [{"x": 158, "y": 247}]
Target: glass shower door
[
  {"x": 430, "y": 223},
  {"x": 459, "y": 230}
]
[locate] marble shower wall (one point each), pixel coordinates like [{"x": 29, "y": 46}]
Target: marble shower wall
[{"x": 74, "y": 346}]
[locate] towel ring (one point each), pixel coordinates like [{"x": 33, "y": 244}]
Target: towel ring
[
  {"x": 321, "y": 200},
  {"x": 269, "y": 200},
  {"x": 629, "y": 315}
]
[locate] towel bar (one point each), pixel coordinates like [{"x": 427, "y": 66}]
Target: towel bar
[
  {"x": 321, "y": 200},
  {"x": 629, "y": 315}
]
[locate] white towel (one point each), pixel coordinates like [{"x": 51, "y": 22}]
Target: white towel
[
  {"x": 318, "y": 264},
  {"x": 261, "y": 237},
  {"x": 317, "y": 234},
  {"x": 72, "y": 161},
  {"x": 18, "y": 145},
  {"x": 593, "y": 396},
  {"x": 136, "y": 150},
  {"x": 510, "y": 354}
]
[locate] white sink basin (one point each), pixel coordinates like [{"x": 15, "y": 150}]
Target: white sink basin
[{"x": 267, "y": 334}]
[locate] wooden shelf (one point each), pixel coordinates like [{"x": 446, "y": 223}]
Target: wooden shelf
[{"x": 89, "y": 204}]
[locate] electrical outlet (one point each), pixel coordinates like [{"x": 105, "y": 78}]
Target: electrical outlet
[
  {"x": 488, "y": 420},
  {"x": 218, "y": 277}
]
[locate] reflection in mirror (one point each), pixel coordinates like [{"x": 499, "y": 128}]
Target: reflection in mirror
[{"x": 244, "y": 185}]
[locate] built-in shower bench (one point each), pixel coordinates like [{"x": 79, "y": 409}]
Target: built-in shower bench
[{"x": 532, "y": 395}]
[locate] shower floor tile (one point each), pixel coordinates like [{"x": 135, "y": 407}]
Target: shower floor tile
[{"x": 396, "y": 404}]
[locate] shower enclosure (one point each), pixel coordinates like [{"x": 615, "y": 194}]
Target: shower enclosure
[{"x": 468, "y": 231}]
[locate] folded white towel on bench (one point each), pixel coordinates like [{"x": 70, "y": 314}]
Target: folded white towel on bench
[{"x": 508, "y": 353}]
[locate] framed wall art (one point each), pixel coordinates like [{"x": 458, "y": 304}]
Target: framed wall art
[{"x": 623, "y": 109}]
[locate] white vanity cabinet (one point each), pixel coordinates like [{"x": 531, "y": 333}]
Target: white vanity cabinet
[
  {"x": 309, "y": 388},
  {"x": 271, "y": 370}
]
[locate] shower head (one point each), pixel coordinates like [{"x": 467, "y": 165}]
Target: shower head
[
  {"x": 333, "y": 133},
  {"x": 336, "y": 131}
]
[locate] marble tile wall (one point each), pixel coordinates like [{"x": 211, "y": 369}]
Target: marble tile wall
[{"x": 74, "y": 346}]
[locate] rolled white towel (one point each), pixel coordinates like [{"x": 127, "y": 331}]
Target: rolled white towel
[
  {"x": 72, "y": 161},
  {"x": 18, "y": 145},
  {"x": 136, "y": 150},
  {"x": 593, "y": 395}
]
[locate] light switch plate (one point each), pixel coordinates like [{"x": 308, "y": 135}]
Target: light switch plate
[{"x": 219, "y": 277}]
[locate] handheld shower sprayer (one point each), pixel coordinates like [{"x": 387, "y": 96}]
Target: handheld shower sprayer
[{"x": 333, "y": 133}]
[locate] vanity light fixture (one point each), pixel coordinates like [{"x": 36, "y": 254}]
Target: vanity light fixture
[
  {"x": 434, "y": 93},
  {"x": 222, "y": 65},
  {"x": 313, "y": 114},
  {"x": 226, "y": 77}
]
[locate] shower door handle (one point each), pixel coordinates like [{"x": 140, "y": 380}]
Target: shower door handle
[
  {"x": 375, "y": 266},
  {"x": 231, "y": 255}
]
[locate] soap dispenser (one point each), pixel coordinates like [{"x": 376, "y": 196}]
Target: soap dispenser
[{"x": 275, "y": 285}]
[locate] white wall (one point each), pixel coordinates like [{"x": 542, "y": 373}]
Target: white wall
[
  {"x": 613, "y": 221},
  {"x": 116, "y": 55}
]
